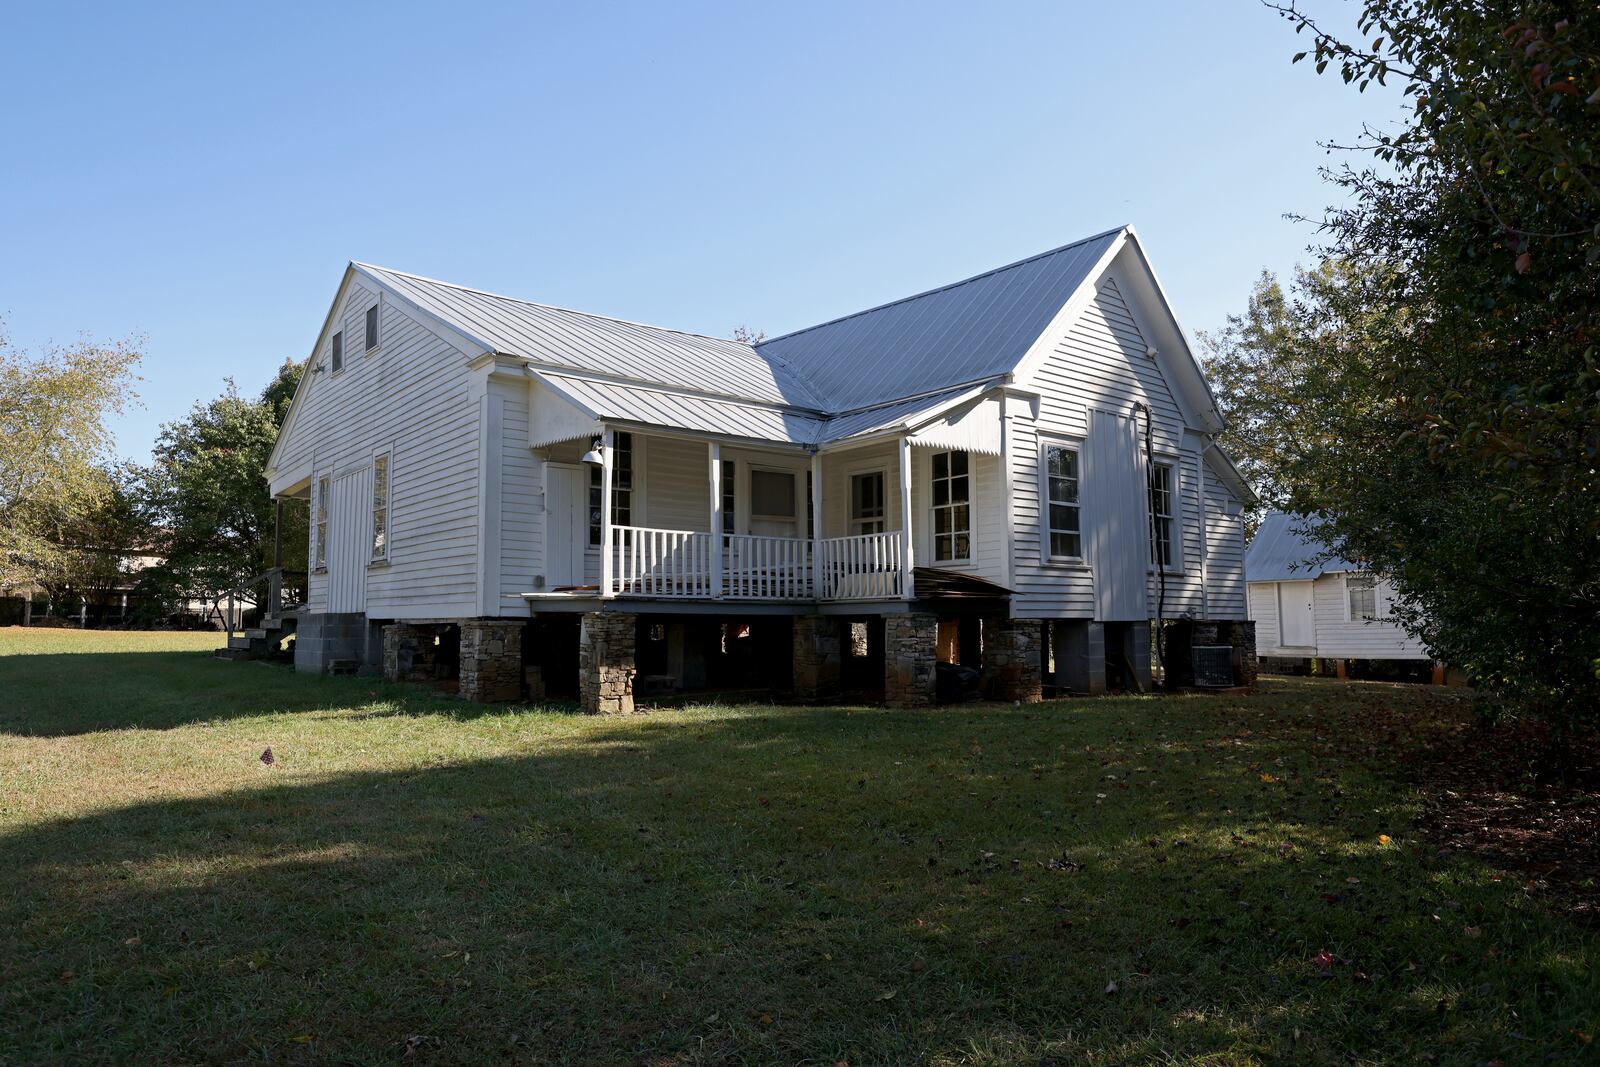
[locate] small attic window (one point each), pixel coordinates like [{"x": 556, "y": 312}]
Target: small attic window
[
  {"x": 372, "y": 327},
  {"x": 338, "y": 352}
]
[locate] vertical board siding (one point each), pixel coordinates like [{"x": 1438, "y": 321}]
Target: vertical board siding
[{"x": 410, "y": 393}]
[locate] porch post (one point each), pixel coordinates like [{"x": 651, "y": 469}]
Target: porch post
[
  {"x": 906, "y": 561},
  {"x": 816, "y": 524},
  {"x": 608, "y": 440},
  {"x": 714, "y": 455},
  {"x": 277, "y": 531}
]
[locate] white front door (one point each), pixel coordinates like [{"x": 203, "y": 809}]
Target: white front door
[
  {"x": 1296, "y": 627},
  {"x": 566, "y": 524},
  {"x": 349, "y": 545}
]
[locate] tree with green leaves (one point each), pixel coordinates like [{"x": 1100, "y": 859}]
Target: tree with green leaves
[
  {"x": 54, "y": 445},
  {"x": 207, "y": 493},
  {"x": 1444, "y": 394}
]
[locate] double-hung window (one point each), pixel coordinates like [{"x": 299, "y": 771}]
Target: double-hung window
[
  {"x": 621, "y": 460},
  {"x": 952, "y": 508},
  {"x": 1063, "y": 522},
  {"x": 320, "y": 533},
  {"x": 1362, "y": 592},
  {"x": 1162, "y": 501},
  {"x": 380, "y": 507}
]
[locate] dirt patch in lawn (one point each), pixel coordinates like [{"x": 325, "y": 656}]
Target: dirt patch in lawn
[{"x": 1508, "y": 793}]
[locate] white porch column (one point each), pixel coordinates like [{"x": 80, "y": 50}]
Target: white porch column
[
  {"x": 714, "y": 452},
  {"x": 816, "y": 523},
  {"x": 906, "y": 540},
  {"x": 608, "y": 441}
]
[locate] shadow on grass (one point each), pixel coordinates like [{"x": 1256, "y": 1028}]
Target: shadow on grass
[
  {"x": 62, "y": 694},
  {"x": 1106, "y": 882}
]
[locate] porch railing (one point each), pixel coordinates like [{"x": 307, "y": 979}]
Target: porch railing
[
  {"x": 661, "y": 562},
  {"x": 766, "y": 568},
  {"x": 683, "y": 564},
  {"x": 861, "y": 567}
]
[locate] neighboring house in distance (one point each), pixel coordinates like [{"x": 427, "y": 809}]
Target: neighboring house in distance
[
  {"x": 1308, "y": 604},
  {"x": 531, "y": 495}
]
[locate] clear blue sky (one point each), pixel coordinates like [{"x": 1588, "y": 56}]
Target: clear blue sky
[{"x": 200, "y": 175}]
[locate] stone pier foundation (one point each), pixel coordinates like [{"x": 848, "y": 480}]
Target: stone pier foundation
[
  {"x": 1011, "y": 658},
  {"x": 491, "y": 659},
  {"x": 817, "y": 657},
  {"x": 408, "y": 653},
  {"x": 910, "y": 646},
  {"x": 606, "y": 665}
]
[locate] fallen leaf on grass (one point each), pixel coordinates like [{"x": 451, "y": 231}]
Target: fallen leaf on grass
[
  {"x": 887, "y": 996},
  {"x": 1111, "y": 989}
]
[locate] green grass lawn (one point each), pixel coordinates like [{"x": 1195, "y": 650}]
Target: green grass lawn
[{"x": 1116, "y": 881}]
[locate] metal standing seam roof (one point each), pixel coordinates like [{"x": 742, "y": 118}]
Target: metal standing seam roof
[
  {"x": 581, "y": 342},
  {"x": 1283, "y": 552},
  {"x": 886, "y": 368},
  {"x": 968, "y": 330}
]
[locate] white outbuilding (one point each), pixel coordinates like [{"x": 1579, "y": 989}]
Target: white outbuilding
[{"x": 1308, "y": 603}]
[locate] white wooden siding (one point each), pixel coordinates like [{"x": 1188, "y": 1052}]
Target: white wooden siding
[
  {"x": 410, "y": 393},
  {"x": 521, "y": 497},
  {"x": 986, "y": 487},
  {"x": 1224, "y": 550},
  {"x": 1337, "y": 635},
  {"x": 1101, "y": 362}
]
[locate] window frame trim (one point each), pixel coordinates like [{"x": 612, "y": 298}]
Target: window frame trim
[
  {"x": 931, "y": 542},
  {"x": 750, "y": 489},
  {"x": 636, "y": 501},
  {"x": 386, "y": 452},
  {"x": 337, "y": 363},
  {"x": 1046, "y": 556},
  {"x": 850, "y": 476},
  {"x": 322, "y": 490},
  {"x": 377, "y": 326},
  {"x": 1174, "y": 465},
  {"x": 1377, "y": 601}
]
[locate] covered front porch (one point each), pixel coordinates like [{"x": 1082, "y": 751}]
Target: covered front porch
[{"x": 697, "y": 520}]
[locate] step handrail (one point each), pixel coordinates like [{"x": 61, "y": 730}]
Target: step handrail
[{"x": 272, "y": 604}]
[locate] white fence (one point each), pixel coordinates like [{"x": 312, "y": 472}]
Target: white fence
[
  {"x": 684, "y": 564},
  {"x": 862, "y": 567}
]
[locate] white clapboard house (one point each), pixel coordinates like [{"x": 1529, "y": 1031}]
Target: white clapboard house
[
  {"x": 1309, "y": 603},
  {"x": 987, "y": 473}
]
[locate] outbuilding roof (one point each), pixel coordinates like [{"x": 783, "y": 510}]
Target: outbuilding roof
[{"x": 1287, "y": 548}]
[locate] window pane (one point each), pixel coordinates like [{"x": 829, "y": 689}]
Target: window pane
[
  {"x": 772, "y": 493},
  {"x": 372, "y": 326},
  {"x": 1063, "y": 518},
  {"x": 338, "y": 350},
  {"x": 941, "y": 464},
  {"x": 941, "y": 492},
  {"x": 963, "y": 546},
  {"x": 958, "y": 463},
  {"x": 958, "y": 488},
  {"x": 1065, "y": 544}
]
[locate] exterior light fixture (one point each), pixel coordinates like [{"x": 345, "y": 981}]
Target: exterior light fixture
[{"x": 595, "y": 455}]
